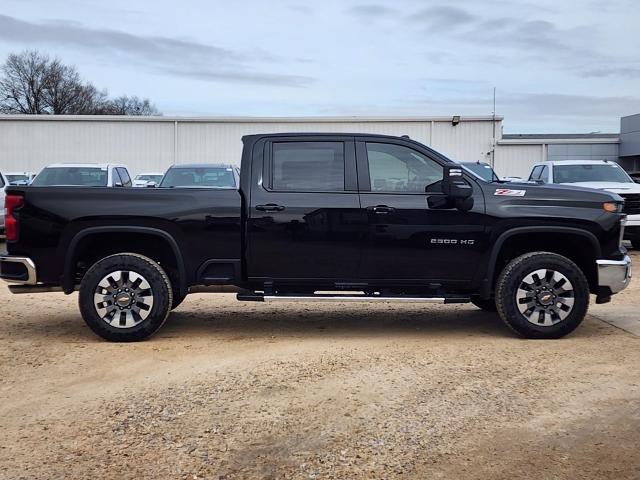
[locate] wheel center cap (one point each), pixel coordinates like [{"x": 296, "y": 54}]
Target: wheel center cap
[
  {"x": 545, "y": 298},
  {"x": 123, "y": 299}
]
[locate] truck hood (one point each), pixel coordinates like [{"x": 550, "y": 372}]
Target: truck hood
[{"x": 614, "y": 187}]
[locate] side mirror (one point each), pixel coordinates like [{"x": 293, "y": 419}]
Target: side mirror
[
  {"x": 456, "y": 188},
  {"x": 454, "y": 184}
]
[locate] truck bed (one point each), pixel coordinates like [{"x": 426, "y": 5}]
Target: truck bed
[{"x": 200, "y": 221}]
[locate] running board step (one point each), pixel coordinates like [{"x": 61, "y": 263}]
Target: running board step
[{"x": 349, "y": 298}]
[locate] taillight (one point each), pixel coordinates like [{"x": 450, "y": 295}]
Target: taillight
[{"x": 11, "y": 203}]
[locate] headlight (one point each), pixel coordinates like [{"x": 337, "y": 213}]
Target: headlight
[{"x": 612, "y": 207}]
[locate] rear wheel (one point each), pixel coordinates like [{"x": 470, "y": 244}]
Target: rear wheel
[
  {"x": 542, "y": 295},
  {"x": 125, "y": 297}
]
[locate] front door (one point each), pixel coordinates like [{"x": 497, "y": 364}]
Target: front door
[
  {"x": 305, "y": 220},
  {"x": 410, "y": 237}
]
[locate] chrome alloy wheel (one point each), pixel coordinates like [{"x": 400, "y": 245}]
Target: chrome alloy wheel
[
  {"x": 545, "y": 297},
  {"x": 123, "y": 299}
]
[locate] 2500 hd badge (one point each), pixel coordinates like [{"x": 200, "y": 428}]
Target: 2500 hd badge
[{"x": 451, "y": 241}]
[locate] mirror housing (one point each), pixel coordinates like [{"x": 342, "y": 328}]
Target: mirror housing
[
  {"x": 118, "y": 184},
  {"x": 456, "y": 188}
]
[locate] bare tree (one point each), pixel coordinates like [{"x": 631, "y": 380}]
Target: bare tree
[
  {"x": 32, "y": 83},
  {"x": 132, "y": 106},
  {"x": 23, "y": 82}
]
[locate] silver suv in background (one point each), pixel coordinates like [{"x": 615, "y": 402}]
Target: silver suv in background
[{"x": 83, "y": 175}]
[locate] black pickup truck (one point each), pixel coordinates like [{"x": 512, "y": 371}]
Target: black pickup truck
[{"x": 322, "y": 217}]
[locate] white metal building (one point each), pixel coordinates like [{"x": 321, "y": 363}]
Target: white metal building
[
  {"x": 29, "y": 142},
  {"x": 148, "y": 144}
]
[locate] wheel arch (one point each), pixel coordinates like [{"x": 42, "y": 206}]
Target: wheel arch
[
  {"x": 72, "y": 255},
  {"x": 500, "y": 248}
]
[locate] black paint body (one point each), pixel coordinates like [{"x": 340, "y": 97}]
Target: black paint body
[{"x": 319, "y": 240}]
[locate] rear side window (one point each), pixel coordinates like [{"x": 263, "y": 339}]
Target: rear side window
[
  {"x": 124, "y": 176},
  {"x": 1, "y": 182},
  {"x": 308, "y": 167}
]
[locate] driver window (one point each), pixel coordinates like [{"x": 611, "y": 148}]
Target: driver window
[{"x": 399, "y": 169}]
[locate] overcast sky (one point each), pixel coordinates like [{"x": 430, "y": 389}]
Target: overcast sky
[{"x": 558, "y": 66}]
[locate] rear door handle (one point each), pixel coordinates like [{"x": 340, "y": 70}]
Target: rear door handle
[
  {"x": 381, "y": 209},
  {"x": 270, "y": 207}
]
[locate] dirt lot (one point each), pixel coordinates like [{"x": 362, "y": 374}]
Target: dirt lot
[{"x": 233, "y": 390}]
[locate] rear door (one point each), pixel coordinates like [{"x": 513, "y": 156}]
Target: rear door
[
  {"x": 410, "y": 238},
  {"x": 305, "y": 221}
]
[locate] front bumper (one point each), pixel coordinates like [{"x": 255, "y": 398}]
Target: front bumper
[
  {"x": 614, "y": 275},
  {"x": 17, "y": 270}
]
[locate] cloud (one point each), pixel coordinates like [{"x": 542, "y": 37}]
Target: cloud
[
  {"x": 372, "y": 11},
  {"x": 176, "y": 56},
  {"x": 611, "y": 71},
  {"x": 443, "y": 17}
]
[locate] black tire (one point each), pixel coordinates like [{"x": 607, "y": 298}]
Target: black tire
[
  {"x": 484, "y": 304},
  {"x": 160, "y": 293},
  {"x": 514, "y": 275}
]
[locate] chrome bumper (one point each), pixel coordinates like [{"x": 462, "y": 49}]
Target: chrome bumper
[
  {"x": 25, "y": 277},
  {"x": 614, "y": 274}
]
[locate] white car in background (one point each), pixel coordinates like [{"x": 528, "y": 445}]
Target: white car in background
[
  {"x": 83, "y": 175},
  {"x": 598, "y": 174},
  {"x": 19, "y": 178},
  {"x": 147, "y": 179}
]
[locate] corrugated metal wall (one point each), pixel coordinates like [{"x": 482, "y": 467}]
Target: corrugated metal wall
[
  {"x": 28, "y": 144},
  {"x": 516, "y": 160}
]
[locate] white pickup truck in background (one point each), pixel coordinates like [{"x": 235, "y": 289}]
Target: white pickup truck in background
[{"x": 598, "y": 174}]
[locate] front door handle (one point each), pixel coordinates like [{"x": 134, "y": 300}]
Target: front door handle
[
  {"x": 381, "y": 209},
  {"x": 270, "y": 207}
]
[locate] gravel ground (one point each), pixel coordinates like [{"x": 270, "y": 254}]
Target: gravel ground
[{"x": 243, "y": 390}]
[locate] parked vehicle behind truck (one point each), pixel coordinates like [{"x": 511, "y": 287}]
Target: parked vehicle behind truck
[
  {"x": 599, "y": 174},
  {"x": 323, "y": 217},
  {"x": 83, "y": 175}
]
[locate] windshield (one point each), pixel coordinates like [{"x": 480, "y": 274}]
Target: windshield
[
  {"x": 149, "y": 178},
  {"x": 483, "y": 170},
  {"x": 76, "y": 176},
  {"x": 605, "y": 172},
  {"x": 216, "y": 177},
  {"x": 17, "y": 178}
]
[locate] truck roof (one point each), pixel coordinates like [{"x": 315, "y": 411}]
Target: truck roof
[
  {"x": 574, "y": 162},
  {"x": 202, "y": 165},
  {"x": 85, "y": 165}
]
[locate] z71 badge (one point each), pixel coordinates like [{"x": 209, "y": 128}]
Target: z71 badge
[{"x": 510, "y": 193}]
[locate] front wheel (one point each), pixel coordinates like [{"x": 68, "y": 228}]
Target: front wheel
[
  {"x": 125, "y": 297},
  {"x": 542, "y": 295}
]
